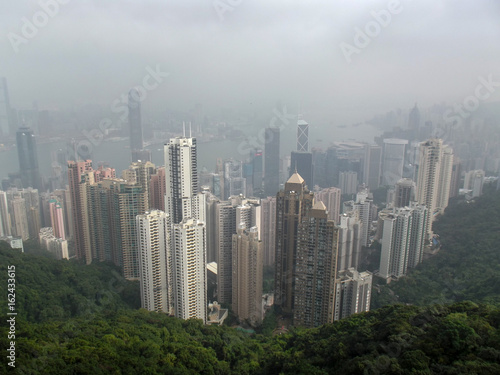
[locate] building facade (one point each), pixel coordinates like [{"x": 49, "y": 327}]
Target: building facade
[
  {"x": 403, "y": 239},
  {"x": 353, "y": 293},
  {"x": 268, "y": 229},
  {"x": 190, "y": 273},
  {"x": 272, "y": 161},
  {"x": 28, "y": 158},
  {"x": 292, "y": 204},
  {"x": 393, "y": 160},
  {"x": 316, "y": 266},
  {"x": 186, "y": 207},
  {"x": 155, "y": 261},
  {"x": 247, "y": 275}
]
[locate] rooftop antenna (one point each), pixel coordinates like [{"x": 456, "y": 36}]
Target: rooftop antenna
[
  {"x": 295, "y": 166},
  {"x": 184, "y": 128},
  {"x": 189, "y": 129}
]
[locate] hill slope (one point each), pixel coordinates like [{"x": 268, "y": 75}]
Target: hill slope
[
  {"x": 466, "y": 268},
  {"x": 459, "y": 339},
  {"x": 47, "y": 288}
]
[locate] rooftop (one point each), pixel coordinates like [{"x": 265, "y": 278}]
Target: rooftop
[{"x": 295, "y": 179}]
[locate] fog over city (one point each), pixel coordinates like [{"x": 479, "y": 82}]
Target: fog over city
[
  {"x": 250, "y": 186},
  {"x": 248, "y": 55}
]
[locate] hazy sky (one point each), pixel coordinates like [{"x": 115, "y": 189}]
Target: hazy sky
[{"x": 253, "y": 54}]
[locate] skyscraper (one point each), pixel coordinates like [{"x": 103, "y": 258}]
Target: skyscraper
[
  {"x": 19, "y": 219},
  {"x": 331, "y": 198},
  {"x": 456, "y": 172},
  {"x": 234, "y": 182},
  {"x": 225, "y": 228},
  {"x": 63, "y": 197},
  {"x": 363, "y": 206},
  {"x": 57, "y": 219},
  {"x": 445, "y": 175},
  {"x": 429, "y": 166},
  {"x": 350, "y": 237},
  {"x": 257, "y": 172},
  {"x": 4, "y": 108},
  {"x": 292, "y": 204},
  {"x": 393, "y": 160},
  {"x": 229, "y": 216},
  {"x": 247, "y": 276},
  {"x": 403, "y": 238},
  {"x": 32, "y": 203},
  {"x": 57, "y": 246},
  {"x": 78, "y": 206},
  {"x": 414, "y": 122},
  {"x": 348, "y": 182},
  {"x": 372, "y": 166},
  {"x": 395, "y": 243},
  {"x": 302, "y": 136},
  {"x": 5, "y": 224},
  {"x": 248, "y": 212},
  {"x": 316, "y": 266},
  {"x": 127, "y": 200},
  {"x": 135, "y": 122},
  {"x": 155, "y": 259},
  {"x": 435, "y": 165},
  {"x": 27, "y": 200},
  {"x": 272, "y": 161},
  {"x": 186, "y": 208},
  {"x": 268, "y": 232},
  {"x": 420, "y": 216},
  {"x": 97, "y": 219},
  {"x": 474, "y": 181},
  {"x": 320, "y": 168},
  {"x": 140, "y": 173},
  {"x": 28, "y": 158},
  {"x": 181, "y": 179},
  {"x": 190, "y": 273},
  {"x": 157, "y": 190},
  {"x": 301, "y": 162},
  {"x": 211, "y": 203},
  {"x": 404, "y": 192},
  {"x": 353, "y": 293}
]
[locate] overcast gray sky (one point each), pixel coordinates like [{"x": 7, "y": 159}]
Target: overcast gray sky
[{"x": 258, "y": 52}]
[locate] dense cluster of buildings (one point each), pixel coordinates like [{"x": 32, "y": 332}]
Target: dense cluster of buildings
[{"x": 178, "y": 230}]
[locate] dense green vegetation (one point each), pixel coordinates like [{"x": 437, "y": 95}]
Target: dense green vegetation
[
  {"x": 459, "y": 339},
  {"x": 466, "y": 268},
  {"x": 268, "y": 279},
  {"x": 49, "y": 289}
]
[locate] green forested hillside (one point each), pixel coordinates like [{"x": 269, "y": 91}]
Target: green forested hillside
[
  {"x": 466, "y": 268},
  {"x": 459, "y": 339},
  {"x": 50, "y": 289}
]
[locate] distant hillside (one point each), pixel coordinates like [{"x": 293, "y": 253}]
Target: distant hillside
[
  {"x": 49, "y": 289},
  {"x": 466, "y": 268},
  {"x": 460, "y": 339}
]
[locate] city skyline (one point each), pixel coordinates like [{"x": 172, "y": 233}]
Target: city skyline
[
  {"x": 212, "y": 186},
  {"x": 184, "y": 32},
  {"x": 206, "y": 207}
]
